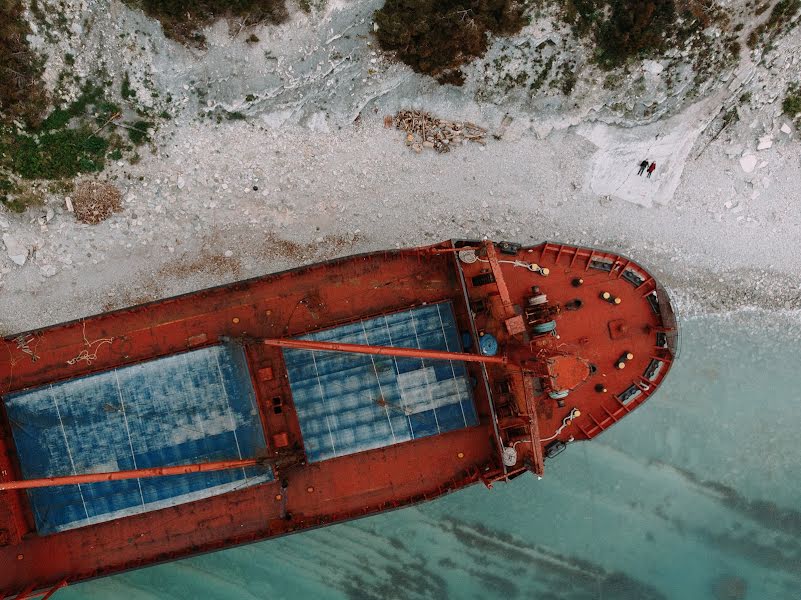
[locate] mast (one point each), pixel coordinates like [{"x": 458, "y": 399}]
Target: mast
[
  {"x": 23, "y": 484},
  {"x": 385, "y": 350}
]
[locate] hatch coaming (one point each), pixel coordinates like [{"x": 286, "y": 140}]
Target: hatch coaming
[
  {"x": 348, "y": 403},
  {"x": 193, "y": 407}
]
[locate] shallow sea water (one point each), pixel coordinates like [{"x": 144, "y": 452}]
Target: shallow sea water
[{"x": 696, "y": 495}]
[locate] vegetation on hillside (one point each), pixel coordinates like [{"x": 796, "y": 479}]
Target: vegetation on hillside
[
  {"x": 22, "y": 94},
  {"x": 630, "y": 29},
  {"x": 75, "y": 138},
  {"x": 780, "y": 20},
  {"x": 791, "y": 105},
  {"x": 182, "y": 19},
  {"x": 436, "y": 37}
]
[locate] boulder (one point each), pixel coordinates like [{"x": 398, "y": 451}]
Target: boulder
[{"x": 16, "y": 250}]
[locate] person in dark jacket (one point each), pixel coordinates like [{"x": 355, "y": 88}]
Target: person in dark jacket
[
  {"x": 643, "y": 165},
  {"x": 651, "y": 169}
]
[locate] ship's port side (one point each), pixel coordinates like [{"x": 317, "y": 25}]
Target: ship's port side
[{"x": 336, "y": 391}]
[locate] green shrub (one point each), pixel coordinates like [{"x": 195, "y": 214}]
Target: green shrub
[
  {"x": 56, "y": 119},
  {"x": 436, "y": 37},
  {"x": 91, "y": 96},
  {"x": 138, "y": 132},
  {"x": 53, "y": 155},
  {"x": 791, "y": 105},
  {"x": 125, "y": 87}
]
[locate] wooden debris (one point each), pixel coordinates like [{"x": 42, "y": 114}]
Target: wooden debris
[{"x": 424, "y": 131}]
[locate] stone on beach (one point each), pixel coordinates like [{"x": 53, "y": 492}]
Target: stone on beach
[
  {"x": 16, "y": 250},
  {"x": 748, "y": 163}
]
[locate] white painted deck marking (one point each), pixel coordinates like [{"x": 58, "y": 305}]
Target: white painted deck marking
[
  {"x": 380, "y": 389},
  {"x": 325, "y": 404},
  {"x": 128, "y": 431},
  {"x": 69, "y": 453}
]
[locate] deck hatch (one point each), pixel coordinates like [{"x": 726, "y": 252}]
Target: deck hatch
[
  {"x": 348, "y": 403},
  {"x": 186, "y": 408}
]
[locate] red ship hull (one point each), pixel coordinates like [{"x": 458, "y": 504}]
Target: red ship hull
[{"x": 519, "y": 405}]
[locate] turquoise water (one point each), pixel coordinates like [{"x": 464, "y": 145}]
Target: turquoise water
[{"x": 696, "y": 495}]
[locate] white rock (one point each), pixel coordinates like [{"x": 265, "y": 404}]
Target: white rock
[
  {"x": 786, "y": 129},
  {"x": 181, "y": 183},
  {"x": 653, "y": 67},
  {"x": 48, "y": 270},
  {"x": 229, "y": 253},
  {"x": 17, "y": 252},
  {"x": 748, "y": 162},
  {"x": 765, "y": 143},
  {"x": 3, "y": 223}
]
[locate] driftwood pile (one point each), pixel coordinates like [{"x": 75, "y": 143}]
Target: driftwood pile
[{"x": 424, "y": 131}]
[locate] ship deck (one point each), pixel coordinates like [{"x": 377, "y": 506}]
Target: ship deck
[{"x": 347, "y": 435}]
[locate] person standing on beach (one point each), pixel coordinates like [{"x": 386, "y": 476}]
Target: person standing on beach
[
  {"x": 643, "y": 164},
  {"x": 651, "y": 169}
]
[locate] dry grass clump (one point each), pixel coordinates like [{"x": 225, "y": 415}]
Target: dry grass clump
[{"x": 95, "y": 201}]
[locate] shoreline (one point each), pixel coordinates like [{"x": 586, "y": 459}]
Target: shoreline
[{"x": 194, "y": 220}]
